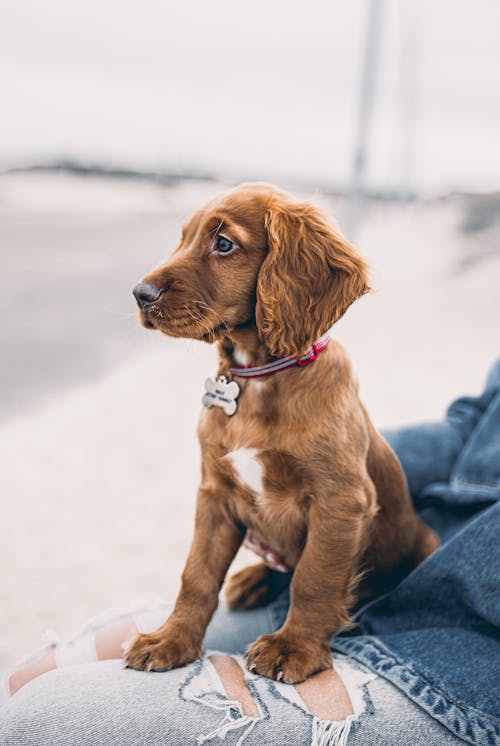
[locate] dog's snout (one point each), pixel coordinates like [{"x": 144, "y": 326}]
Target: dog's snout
[{"x": 146, "y": 294}]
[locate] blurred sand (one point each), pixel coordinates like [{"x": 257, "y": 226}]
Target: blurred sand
[{"x": 98, "y": 455}]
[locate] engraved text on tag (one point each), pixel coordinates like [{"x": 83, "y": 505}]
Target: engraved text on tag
[{"x": 222, "y": 394}]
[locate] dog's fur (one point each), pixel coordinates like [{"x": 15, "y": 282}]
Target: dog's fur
[{"x": 334, "y": 502}]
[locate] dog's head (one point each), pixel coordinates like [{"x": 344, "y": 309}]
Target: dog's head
[{"x": 254, "y": 256}]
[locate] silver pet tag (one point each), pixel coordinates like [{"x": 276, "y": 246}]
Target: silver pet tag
[{"x": 222, "y": 394}]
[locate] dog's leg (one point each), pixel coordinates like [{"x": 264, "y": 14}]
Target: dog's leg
[
  {"x": 411, "y": 541},
  {"x": 179, "y": 641},
  {"x": 321, "y": 588},
  {"x": 255, "y": 585}
]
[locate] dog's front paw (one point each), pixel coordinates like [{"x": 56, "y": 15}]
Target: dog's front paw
[
  {"x": 160, "y": 651},
  {"x": 288, "y": 658}
]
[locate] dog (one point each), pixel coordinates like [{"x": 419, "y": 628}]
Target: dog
[{"x": 288, "y": 450}]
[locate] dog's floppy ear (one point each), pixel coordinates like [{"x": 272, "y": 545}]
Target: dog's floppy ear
[{"x": 308, "y": 280}]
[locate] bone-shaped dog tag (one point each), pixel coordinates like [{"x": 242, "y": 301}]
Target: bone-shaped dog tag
[{"x": 222, "y": 394}]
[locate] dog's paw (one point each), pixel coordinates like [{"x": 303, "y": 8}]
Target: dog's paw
[
  {"x": 249, "y": 587},
  {"x": 287, "y": 658},
  {"x": 160, "y": 652}
]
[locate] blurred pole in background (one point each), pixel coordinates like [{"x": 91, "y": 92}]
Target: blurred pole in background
[
  {"x": 407, "y": 95},
  {"x": 371, "y": 54}
]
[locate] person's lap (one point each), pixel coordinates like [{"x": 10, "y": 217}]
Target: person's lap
[{"x": 104, "y": 703}]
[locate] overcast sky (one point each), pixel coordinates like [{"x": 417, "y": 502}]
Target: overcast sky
[{"x": 262, "y": 89}]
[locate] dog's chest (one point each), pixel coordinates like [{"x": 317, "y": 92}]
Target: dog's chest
[
  {"x": 259, "y": 447},
  {"x": 267, "y": 462},
  {"x": 248, "y": 470},
  {"x": 270, "y": 496}
]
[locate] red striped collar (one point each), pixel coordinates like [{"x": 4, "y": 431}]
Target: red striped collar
[{"x": 283, "y": 362}]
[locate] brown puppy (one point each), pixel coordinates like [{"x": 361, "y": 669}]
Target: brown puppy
[{"x": 299, "y": 463}]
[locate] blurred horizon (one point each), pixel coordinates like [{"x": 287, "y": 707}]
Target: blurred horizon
[
  {"x": 268, "y": 92},
  {"x": 172, "y": 177}
]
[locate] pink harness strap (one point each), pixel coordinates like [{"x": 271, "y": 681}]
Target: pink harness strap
[{"x": 272, "y": 559}]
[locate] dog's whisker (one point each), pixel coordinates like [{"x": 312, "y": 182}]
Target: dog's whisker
[
  {"x": 201, "y": 321},
  {"x": 216, "y": 314},
  {"x": 215, "y": 230},
  {"x": 122, "y": 314}
]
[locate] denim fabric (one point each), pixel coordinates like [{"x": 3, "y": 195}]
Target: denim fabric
[
  {"x": 458, "y": 460},
  {"x": 103, "y": 704},
  {"x": 437, "y": 635}
]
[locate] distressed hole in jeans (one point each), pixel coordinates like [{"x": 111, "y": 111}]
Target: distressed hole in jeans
[
  {"x": 334, "y": 699},
  {"x": 218, "y": 683},
  {"x": 109, "y": 640},
  {"x": 337, "y": 694},
  {"x": 24, "y": 674},
  {"x": 232, "y": 678},
  {"x": 326, "y": 696}
]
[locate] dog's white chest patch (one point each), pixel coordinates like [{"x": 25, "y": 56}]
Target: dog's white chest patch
[
  {"x": 248, "y": 467},
  {"x": 258, "y": 385},
  {"x": 241, "y": 356}
]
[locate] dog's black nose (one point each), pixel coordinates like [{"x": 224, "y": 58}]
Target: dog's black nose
[{"x": 146, "y": 294}]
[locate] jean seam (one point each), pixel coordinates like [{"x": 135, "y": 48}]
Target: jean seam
[{"x": 471, "y": 719}]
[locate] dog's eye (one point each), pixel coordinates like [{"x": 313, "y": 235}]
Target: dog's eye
[{"x": 223, "y": 245}]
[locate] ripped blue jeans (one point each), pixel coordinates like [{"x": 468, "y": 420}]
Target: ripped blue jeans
[
  {"x": 420, "y": 668},
  {"x": 100, "y": 703}
]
